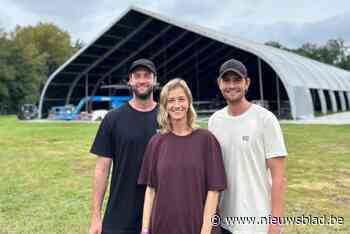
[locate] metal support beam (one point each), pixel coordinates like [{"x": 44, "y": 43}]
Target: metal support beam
[
  {"x": 214, "y": 65},
  {"x": 143, "y": 47},
  {"x": 98, "y": 83},
  {"x": 196, "y": 77},
  {"x": 152, "y": 33},
  {"x": 101, "y": 58},
  {"x": 323, "y": 102},
  {"x": 70, "y": 73},
  {"x": 78, "y": 64},
  {"x": 113, "y": 36},
  {"x": 53, "y": 99},
  {"x": 347, "y": 95},
  {"x": 85, "y": 64},
  {"x": 278, "y": 96},
  {"x": 60, "y": 99},
  {"x": 87, "y": 92},
  {"x": 76, "y": 73},
  {"x": 169, "y": 45},
  {"x": 89, "y": 55},
  {"x": 165, "y": 74},
  {"x": 342, "y": 100},
  {"x": 261, "y": 88},
  {"x": 109, "y": 90},
  {"x": 137, "y": 42},
  {"x": 190, "y": 57},
  {"x": 206, "y": 58},
  {"x": 333, "y": 100},
  {"x": 102, "y": 46},
  {"x": 179, "y": 53},
  {"x": 69, "y": 84},
  {"x": 132, "y": 55}
]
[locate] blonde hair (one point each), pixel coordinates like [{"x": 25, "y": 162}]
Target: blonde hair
[{"x": 163, "y": 116}]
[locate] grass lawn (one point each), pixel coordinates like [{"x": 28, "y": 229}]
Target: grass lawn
[{"x": 46, "y": 173}]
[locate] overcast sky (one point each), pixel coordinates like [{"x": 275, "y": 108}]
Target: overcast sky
[{"x": 291, "y": 22}]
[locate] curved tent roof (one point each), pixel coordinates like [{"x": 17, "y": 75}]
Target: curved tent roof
[{"x": 141, "y": 33}]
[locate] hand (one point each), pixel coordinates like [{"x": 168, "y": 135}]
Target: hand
[
  {"x": 96, "y": 226},
  {"x": 275, "y": 229}
]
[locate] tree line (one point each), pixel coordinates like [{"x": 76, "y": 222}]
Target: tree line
[
  {"x": 28, "y": 55},
  {"x": 335, "y": 52}
]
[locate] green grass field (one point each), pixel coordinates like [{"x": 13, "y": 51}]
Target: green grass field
[{"x": 46, "y": 173}]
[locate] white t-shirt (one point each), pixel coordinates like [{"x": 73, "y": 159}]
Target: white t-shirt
[{"x": 247, "y": 141}]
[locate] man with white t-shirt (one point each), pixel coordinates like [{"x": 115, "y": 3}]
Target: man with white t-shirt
[{"x": 254, "y": 155}]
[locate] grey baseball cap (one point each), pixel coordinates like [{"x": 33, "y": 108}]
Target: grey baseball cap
[
  {"x": 143, "y": 63},
  {"x": 235, "y": 66}
]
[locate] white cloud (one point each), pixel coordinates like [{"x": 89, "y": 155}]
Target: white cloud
[
  {"x": 291, "y": 22},
  {"x": 294, "y": 34}
]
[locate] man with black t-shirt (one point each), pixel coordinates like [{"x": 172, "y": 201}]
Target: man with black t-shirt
[{"x": 122, "y": 138}]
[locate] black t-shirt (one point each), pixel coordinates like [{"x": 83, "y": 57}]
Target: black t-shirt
[{"x": 123, "y": 136}]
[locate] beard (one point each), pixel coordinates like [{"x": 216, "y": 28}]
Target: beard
[
  {"x": 143, "y": 96},
  {"x": 236, "y": 99}
]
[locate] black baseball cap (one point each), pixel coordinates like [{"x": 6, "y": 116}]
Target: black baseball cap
[
  {"x": 235, "y": 66},
  {"x": 143, "y": 63}
]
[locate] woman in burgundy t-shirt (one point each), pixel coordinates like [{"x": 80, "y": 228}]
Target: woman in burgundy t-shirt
[{"x": 182, "y": 168}]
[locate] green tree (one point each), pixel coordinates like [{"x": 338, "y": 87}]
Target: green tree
[
  {"x": 78, "y": 44},
  {"x": 21, "y": 72},
  {"x": 334, "y": 52},
  {"x": 7, "y": 71},
  {"x": 337, "y": 53},
  {"x": 48, "y": 40},
  {"x": 276, "y": 44},
  {"x": 28, "y": 55}
]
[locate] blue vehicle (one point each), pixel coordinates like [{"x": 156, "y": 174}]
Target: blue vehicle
[
  {"x": 61, "y": 113},
  {"x": 69, "y": 112}
]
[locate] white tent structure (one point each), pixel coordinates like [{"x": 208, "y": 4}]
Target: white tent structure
[{"x": 295, "y": 87}]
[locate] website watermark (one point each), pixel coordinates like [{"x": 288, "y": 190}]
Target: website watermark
[{"x": 217, "y": 220}]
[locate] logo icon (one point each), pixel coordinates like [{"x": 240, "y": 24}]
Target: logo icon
[{"x": 245, "y": 138}]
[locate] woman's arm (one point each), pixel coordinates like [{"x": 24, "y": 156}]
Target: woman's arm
[
  {"x": 211, "y": 204},
  {"x": 147, "y": 208}
]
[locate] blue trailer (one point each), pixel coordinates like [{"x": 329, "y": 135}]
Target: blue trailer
[{"x": 69, "y": 112}]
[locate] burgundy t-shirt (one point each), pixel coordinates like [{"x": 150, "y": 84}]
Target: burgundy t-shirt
[{"x": 182, "y": 169}]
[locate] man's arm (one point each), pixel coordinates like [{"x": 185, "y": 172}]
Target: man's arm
[
  {"x": 147, "y": 208},
  {"x": 103, "y": 165},
  {"x": 279, "y": 182},
  {"x": 211, "y": 204}
]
